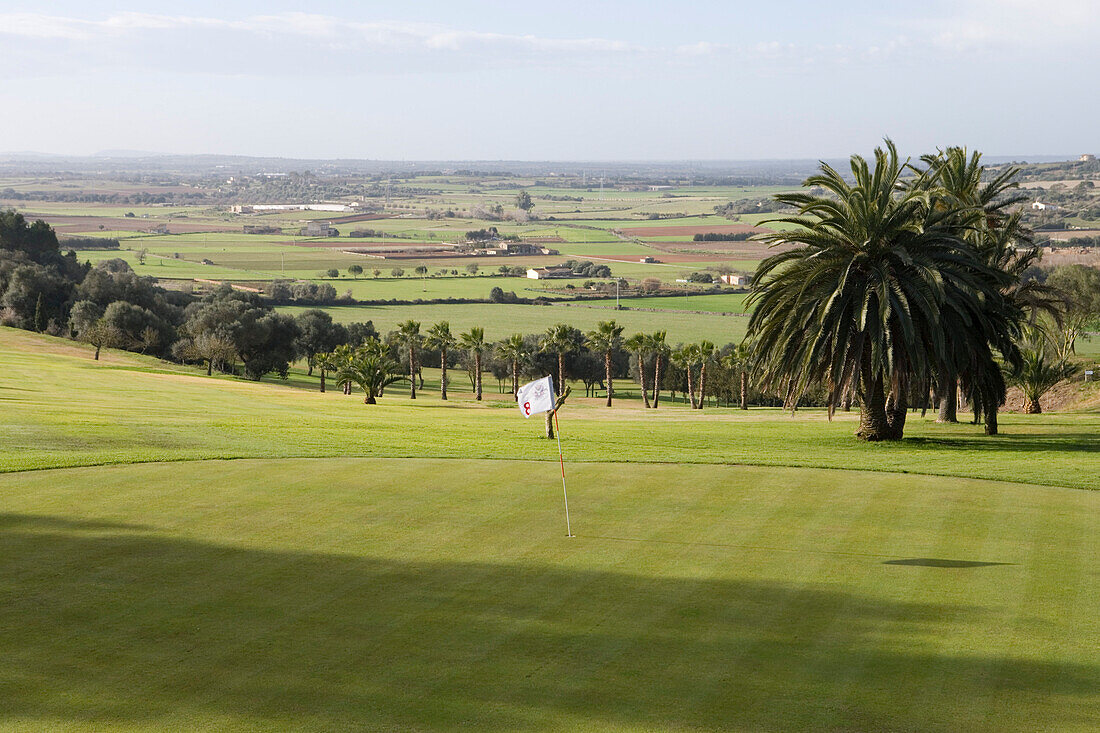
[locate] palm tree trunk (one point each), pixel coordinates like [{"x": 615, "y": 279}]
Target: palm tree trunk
[
  {"x": 515, "y": 377},
  {"x": 656, "y": 381},
  {"x": 691, "y": 387},
  {"x": 607, "y": 369},
  {"x": 443, "y": 370},
  {"x": 702, "y": 384},
  {"x": 550, "y": 425},
  {"x": 896, "y": 409},
  {"x": 477, "y": 368},
  {"x": 873, "y": 423},
  {"x": 1032, "y": 406},
  {"x": 412, "y": 373},
  {"x": 991, "y": 420},
  {"x": 641, "y": 376},
  {"x": 561, "y": 372},
  {"x": 949, "y": 398},
  {"x": 744, "y": 390},
  {"x": 322, "y": 381}
]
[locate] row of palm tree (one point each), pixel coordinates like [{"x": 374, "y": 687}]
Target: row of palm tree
[{"x": 352, "y": 365}]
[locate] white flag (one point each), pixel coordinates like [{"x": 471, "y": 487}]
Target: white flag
[{"x": 535, "y": 397}]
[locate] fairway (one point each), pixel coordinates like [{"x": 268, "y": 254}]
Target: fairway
[
  {"x": 403, "y": 566},
  {"x": 428, "y": 594}
]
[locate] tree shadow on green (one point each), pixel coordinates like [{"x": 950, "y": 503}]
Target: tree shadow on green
[
  {"x": 937, "y": 562},
  {"x": 1075, "y": 442},
  {"x": 113, "y": 625}
]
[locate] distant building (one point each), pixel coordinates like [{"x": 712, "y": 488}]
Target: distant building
[
  {"x": 1087, "y": 158},
  {"x": 647, "y": 260},
  {"x": 546, "y": 273},
  {"x": 319, "y": 229},
  {"x": 158, "y": 229},
  {"x": 736, "y": 280},
  {"x": 521, "y": 248},
  {"x": 1040, "y": 206}
]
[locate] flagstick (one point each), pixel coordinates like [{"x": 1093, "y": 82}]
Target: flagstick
[{"x": 561, "y": 459}]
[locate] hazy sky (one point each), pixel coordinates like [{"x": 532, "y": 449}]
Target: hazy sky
[{"x": 575, "y": 80}]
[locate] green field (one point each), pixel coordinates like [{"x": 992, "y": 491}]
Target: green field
[
  {"x": 501, "y": 320},
  {"x": 723, "y": 303},
  {"x": 404, "y": 566}
]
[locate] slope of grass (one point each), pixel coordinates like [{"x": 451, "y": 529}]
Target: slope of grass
[
  {"x": 63, "y": 409},
  {"x": 404, "y": 567},
  {"x": 442, "y": 595}
]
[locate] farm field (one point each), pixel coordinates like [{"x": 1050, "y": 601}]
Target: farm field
[
  {"x": 200, "y": 552},
  {"x": 723, "y": 303}
]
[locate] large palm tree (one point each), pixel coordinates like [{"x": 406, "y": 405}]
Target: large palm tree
[
  {"x": 706, "y": 352},
  {"x": 686, "y": 357},
  {"x": 660, "y": 350},
  {"x": 980, "y": 202},
  {"x": 559, "y": 340},
  {"x": 440, "y": 338},
  {"x": 409, "y": 338},
  {"x": 474, "y": 342},
  {"x": 606, "y": 338},
  {"x": 514, "y": 350},
  {"x": 638, "y": 345},
  {"x": 858, "y": 302},
  {"x": 325, "y": 362},
  {"x": 742, "y": 361}
]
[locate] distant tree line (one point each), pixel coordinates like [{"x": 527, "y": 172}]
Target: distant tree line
[
  {"x": 89, "y": 243},
  {"x": 750, "y": 206},
  {"x": 722, "y": 237}
]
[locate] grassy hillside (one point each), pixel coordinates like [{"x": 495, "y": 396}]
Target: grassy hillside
[
  {"x": 63, "y": 409},
  {"x": 404, "y": 567}
]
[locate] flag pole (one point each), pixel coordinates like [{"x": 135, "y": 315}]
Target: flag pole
[{"x": 561, "y": 460}]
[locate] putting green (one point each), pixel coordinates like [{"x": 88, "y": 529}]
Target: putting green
[{"x": 441, "y": 594}]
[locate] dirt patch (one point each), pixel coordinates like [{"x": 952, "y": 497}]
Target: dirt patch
[
  {"x": 1064, "y": 396},
  {"x": 1061, "y": 235},
  {"x": 1090, "y": 257}
]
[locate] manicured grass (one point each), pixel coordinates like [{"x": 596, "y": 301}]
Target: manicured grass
[
  {"x": 63, "y": 409},
  {"x": 437, "y": 595},
  {"x": 403, "y": 566}
]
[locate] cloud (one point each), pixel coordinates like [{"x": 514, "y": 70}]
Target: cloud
[
  {"x": 980, "y": 24},
  {"x": 322, "y": 28}
]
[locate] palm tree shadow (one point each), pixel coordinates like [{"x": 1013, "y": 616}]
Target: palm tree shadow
[
  {"x": 933, "y": 562},
  {"x": 1075, "y": 442},
  {"x": 114, "y": 625}
]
